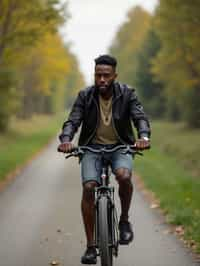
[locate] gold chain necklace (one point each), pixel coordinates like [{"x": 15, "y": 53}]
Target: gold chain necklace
[{"x": 106, "y": 110}]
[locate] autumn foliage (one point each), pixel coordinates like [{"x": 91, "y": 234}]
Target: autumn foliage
[
  {"x": 35, "y": 64},
  {"x": 159, "y": 55}
]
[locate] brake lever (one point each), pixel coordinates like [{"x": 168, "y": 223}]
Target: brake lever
[
  {"x": 139, "y": 153},
  {"x": 75, "y": 153},
  {"x": 131, "y": 151},
  {"x": 69, "y": 155}
]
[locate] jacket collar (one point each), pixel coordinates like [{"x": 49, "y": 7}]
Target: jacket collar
[{"x": 117, "y": 91}]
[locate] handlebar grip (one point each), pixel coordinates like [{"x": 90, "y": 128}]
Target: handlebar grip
[
  {"x": 59, "y": 150},
  {"x": 74, "y": 149}
]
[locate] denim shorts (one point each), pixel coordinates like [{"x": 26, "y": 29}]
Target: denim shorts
[{"x": 91, "y": 163}]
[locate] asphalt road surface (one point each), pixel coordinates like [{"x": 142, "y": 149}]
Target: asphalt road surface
[{"x": 40, "y": 221}]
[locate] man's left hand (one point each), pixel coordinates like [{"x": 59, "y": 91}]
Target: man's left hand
[{"x": 142, "y": 144}]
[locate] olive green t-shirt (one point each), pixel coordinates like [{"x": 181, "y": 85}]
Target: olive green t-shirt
[{"x": 105, "y": 132}]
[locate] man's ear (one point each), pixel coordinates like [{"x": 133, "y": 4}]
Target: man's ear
[{"x": 116, "y": 75}]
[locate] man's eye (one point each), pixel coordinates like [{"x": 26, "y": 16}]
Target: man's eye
[{"x": 104, "y": 75}]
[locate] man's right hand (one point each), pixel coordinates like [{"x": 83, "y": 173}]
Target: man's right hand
[{"x": 65, "y": 147}]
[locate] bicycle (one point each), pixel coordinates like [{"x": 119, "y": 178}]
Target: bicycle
[{"x": 106, "y": 222}]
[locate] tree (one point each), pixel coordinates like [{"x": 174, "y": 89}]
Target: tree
[
  {"x": 22, "y": 25},
  {"x": 47, "y": 76},
  {"x": 23, "y": 22},
  {"x": 177, "y": 64},
  {"x": 127, "y": 43},
  {"x": 150, "y": 91},
  {"x": 8, "y": 97}
]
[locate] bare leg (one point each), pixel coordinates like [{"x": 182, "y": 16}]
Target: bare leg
[
  {"x": 123, "y": 177},
  {"x": 88, "y": 211}
]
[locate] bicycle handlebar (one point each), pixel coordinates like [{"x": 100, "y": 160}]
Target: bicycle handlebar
[{"x": 77, "y": 151}]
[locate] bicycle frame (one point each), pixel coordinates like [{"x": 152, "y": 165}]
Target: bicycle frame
[{"x": 106, "y": 223}]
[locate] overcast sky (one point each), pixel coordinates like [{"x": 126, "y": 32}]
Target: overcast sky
[{"x": 93, "y": 25}]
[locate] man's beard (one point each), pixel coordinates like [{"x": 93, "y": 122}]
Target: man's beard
[{"x": 105, "y": 90}]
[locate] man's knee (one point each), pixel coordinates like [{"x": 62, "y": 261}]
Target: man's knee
[
  {"x": 124, "y": 176},
  {"x": 88, "y": 190}
]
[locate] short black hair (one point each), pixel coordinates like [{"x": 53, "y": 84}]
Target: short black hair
[{"x": 106, "y": 60}]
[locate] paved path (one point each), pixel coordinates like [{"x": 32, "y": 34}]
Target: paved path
[{"x": 40, "y": 221}]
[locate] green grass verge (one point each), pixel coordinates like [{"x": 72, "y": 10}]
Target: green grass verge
[
  {"x": 165, "y": 173},
  {"x": 179, "y": 141},
  {"x": 24, "y": 139}
]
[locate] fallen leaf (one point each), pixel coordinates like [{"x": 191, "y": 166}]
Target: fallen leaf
[
  {"x": 192, "y": 243},
  {"x": 54, "y": 262},
  {"x": 154, "y": 206},
  {"x": 180, "y": 230}
]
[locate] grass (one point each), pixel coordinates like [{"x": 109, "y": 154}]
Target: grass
[
  {"x": 24, "y": 139},
  {"x": 170, "y": 169},
  {"x": 180, "y": 142}
]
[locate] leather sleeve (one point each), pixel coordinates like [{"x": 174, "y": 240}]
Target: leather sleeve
[
  {"x": 138, "y": 115},
  {"x": 74, "y": 120}
]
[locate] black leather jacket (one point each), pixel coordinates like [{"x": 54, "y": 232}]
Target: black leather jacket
[{"x": 125, "y": 108}]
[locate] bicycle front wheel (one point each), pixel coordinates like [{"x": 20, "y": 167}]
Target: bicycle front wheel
[{"x": 105, "y": 241}]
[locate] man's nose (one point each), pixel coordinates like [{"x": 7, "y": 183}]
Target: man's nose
[{"x": 102, "y": 79}]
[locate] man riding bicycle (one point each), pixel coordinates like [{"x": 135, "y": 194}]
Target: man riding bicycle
[{"x": 106, "y": 111}]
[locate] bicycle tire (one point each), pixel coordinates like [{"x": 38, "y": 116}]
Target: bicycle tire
[{"x": 105, "y": 248}]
